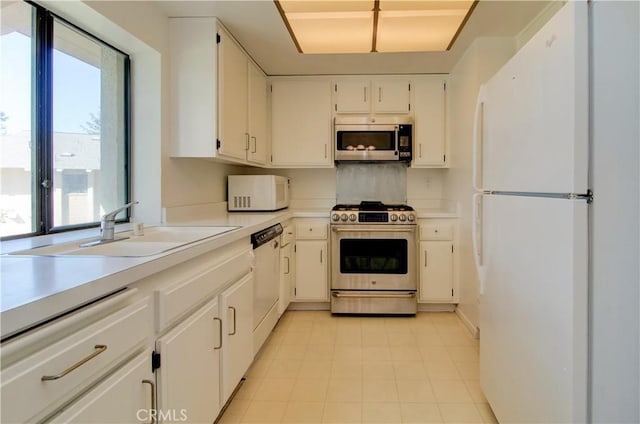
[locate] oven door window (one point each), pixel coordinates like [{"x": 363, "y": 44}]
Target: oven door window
[
  {"x": 369, "y": 140},
  {"x": 373, "y": 256}
]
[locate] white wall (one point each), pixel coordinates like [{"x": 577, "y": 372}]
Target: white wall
[
  {"x": 615, "y": 213},
  {"x": 478, "y": 64}
]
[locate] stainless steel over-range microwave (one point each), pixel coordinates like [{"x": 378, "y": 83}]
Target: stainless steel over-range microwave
[{"x": 373, "y": 138}]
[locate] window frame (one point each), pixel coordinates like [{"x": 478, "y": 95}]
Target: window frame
[{"x": 42, "y": 124}]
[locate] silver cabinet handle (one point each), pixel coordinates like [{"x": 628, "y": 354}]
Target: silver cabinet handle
[
  {"x": 288, "y": 265},
  {"x": 255, "y": 145},
  {"x": 246, "y": 141},
  {"x": 379, "y": 94},
  {"x": 153, "y": 398},
  {"x": 98, "y": 350},
  {"x": 377, "y": 230},
  {"x": 426, "y": 263},
  {"x": 233, "y": 333},
  {"x": 325, "y": 151},
  {"x": 219, "y": 333},
  {"x": 420, "y": 150},
  {"x": 365, "y": 93},
  {"x": 374, "y": 295},
  {"x": 320, "y": 256}
]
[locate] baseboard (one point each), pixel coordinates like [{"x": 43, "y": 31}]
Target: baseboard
[
  {"x": 309, "y": 306},
  {"x": 436, "y": 307},
  {"x": 475, "y": 332}
]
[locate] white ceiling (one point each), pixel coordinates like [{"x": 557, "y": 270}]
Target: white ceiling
[{"x": 257, "y": 25}]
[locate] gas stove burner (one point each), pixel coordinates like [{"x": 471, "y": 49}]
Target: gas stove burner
[
  {"x": 372, "y": 206},
  {"x": 372, "y": 212}
]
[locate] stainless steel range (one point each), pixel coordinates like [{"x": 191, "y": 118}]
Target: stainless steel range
[{"x": 373, "y": 267}]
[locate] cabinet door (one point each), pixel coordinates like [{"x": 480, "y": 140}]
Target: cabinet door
[
  {"x": 257, "y": 116},
  {"x": 233, "y": 98},
  {"x": 286, "y": 271},
  {"x": 436, "y": 270},
  {"x": 352, "y": 96},
  {"x": 124, "y": 397},
  {"x": 193, "y": 64},
  {"x": 311, "y": 271},
  {"x": 236, "y": 305},
  {"x": 189, "y": 375},
  {"x": 429, "y": 104},
  {"x": 391, "y": 96},
  {"x": 301, "y": 123}
]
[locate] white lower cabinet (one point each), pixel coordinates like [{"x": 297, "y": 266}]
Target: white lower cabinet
[
  {"x": 436, "y": 266},
  {"x": 236, "y": 306},
  {"x": 125, "y": 397},
  {"x": 311, "y": 260},
  {"x": 189, "y": 374},
  {"x": 438, "y": 261},
  {"x": 204, "y": 321},
  {"x": 56, "y": 370},
  {"x": 311, "y": 270},
  {"x": 287, "y": 268}
]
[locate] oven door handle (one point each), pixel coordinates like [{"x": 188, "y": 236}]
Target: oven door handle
[
  {"x": 371, "y": 230},
  {"x": 374, "y": 295}
]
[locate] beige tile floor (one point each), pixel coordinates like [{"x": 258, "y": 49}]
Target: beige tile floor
[{"x": 319, "y": 368}]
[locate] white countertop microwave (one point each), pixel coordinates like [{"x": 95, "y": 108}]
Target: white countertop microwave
[{"x": 257, "y": 192}]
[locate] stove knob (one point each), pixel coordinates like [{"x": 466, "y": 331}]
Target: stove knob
[
  {"x": 411, "y": 217},
  {"x": 403, "y": 218},
  {"x": 352, "y": 217},
  {"x": 344, "y": 217},
  {"x": 335, "y": 217},
  {"x": 393, "y": 217}
]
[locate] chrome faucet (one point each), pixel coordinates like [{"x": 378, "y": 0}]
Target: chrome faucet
[{"x": 108, "y": 222}]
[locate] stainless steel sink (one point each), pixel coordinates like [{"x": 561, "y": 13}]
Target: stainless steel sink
[{"x": 155, "y": 240}]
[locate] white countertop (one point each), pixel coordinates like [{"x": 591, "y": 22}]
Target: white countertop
[{"x": 34, "y": 289}]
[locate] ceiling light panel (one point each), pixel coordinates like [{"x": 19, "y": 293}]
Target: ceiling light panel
[
  {"x": 362, "y": 26},
  {"x": 333, "y": 32},
  {"x": 410, "y": 26}
]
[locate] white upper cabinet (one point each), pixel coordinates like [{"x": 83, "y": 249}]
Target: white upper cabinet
[
  {"x": 258, "y": 127},
  {"x": 301, "y": 133},
  {"x": 429, "y": 131},
  {"x": 218, "y": 95},
  {"x": 367, "y": 96},
  {"x": 194, "y": 88},
  {"x": 233, "y": 100}
]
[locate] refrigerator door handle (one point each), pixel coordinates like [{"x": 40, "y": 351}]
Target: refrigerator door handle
[
  {"x": 478, "y": 117},
  {"x": 477, "y": 246}
]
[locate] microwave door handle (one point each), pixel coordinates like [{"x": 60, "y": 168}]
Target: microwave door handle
[{"x": 397, "y": 131}]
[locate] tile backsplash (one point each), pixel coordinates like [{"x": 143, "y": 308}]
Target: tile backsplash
[{"x": 386, "y": 182}]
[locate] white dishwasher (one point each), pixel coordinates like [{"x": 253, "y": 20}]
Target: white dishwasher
[{"x": 266, "y": 282}]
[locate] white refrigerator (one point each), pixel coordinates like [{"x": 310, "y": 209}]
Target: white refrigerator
[{"x": 531, "y": 211}]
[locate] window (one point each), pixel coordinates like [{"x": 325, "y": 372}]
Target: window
[{"x": 64, "y": 124}]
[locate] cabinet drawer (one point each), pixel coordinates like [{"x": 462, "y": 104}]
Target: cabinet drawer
[
  {"x": 436, "y": 232},
  {"x": 124, "y": 397},
  {"x": 174, "y": 300},
  {"x": 288, "y": 235},
  {"x": 39, "y": 384},
  {"x": 311, "y": 229}
]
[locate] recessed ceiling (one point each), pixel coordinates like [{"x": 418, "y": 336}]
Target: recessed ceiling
[{"x": 257, "y": 25}]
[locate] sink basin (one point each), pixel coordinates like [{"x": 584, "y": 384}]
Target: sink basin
[{"x": 154, "y": 241}]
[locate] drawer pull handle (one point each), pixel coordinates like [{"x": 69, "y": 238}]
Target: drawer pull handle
[
  {"x": 233, "y": 333},
  {"x": 153, "y": 399},
  {"x": 98, "y": 350}
]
